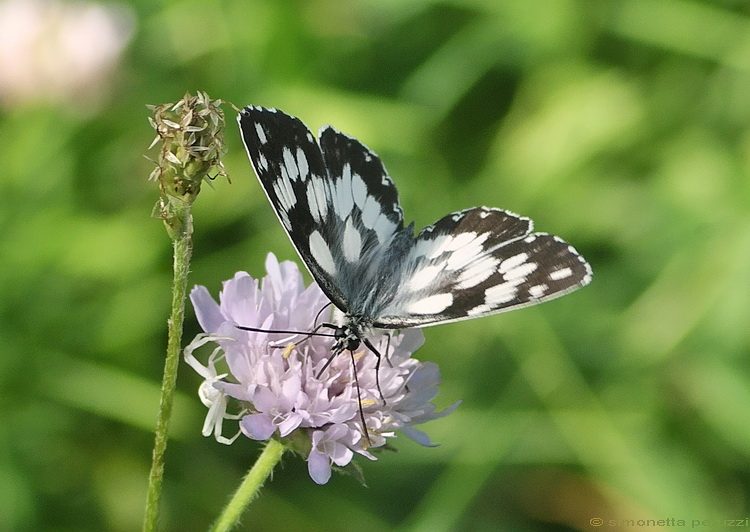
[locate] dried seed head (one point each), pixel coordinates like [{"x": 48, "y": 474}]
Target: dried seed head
[{"x": 191, "y": 132}]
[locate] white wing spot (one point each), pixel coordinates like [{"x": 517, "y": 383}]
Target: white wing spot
[
  {"x": 560, "y": 274},
  {"x": 261, "y": 134},
  {"x": 425, "y": 246},
  {"x": 284, "y": 217},
  {"x": 285, "y": 194},
  {"x": 459, "y": 241},
  {"x": 479, "y": 310},
  {"x": 343, "y": 200},
  {"x": 290, "y": 164},
  {"x": 352, "y": 244},
  {"x": 466, "y": 248},
  {"x": 284, "y": 172},
  {"x": 513, "y": 262},
  {"x": 304, "y": 168},
  {"x": 316, "y": 200},
  {"x": 370, "y": 212},
  {"x": 446, "y": 243},
  {"x": 262, "y": 161},
  {"x": 359, "y": 189},
  {"x": 384, "y": 229},
  {"x": 502, "y": 293},
  {"x": 477, "y": 272},
  {"x": 321, "y": 253},
  {"x": 538, "y": 290},
  {"x": 520, "y": 272},
  {"x": 431, "y": 305},
  {"x": 423, "y": 277}
]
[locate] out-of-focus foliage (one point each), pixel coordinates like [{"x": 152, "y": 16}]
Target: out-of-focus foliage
[{"x": 622, "y": 126}]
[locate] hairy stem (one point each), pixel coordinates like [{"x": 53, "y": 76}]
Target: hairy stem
[
  {"x": 183, "y": 246},
  {"x": 250, "y": 486}
]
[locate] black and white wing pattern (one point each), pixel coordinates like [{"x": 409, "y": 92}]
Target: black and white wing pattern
[
  {"x": 481, "y": 261},
  {"x": 332, "y": 195},
  {"x": 341, "y": 211}
]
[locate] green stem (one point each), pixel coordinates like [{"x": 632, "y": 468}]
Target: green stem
[
  {"x": 183, "y": 247},
  {"x": 250, "y": 486}
]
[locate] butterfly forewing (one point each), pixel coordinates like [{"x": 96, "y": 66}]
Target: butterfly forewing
[
  {"x": 290, "y": 167},
  {"x": 360, "y": 185},
  {"x": 341, "y": 210},
  {"x": 333, "y": 197}
]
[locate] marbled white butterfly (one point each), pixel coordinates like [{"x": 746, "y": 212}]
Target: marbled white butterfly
[{"x": 341, "y": 210}]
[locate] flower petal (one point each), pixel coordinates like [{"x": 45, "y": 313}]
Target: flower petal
[
  {"x": 257, "y": 426},
  {"x": 291, "y": 422},
  {"x": 418, "y": 436},
  {"x": 319, "y": 467},
  {"x": 206, "y": 309}
]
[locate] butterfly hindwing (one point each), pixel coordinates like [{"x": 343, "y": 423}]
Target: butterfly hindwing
[
  {"x": 361, "y": 186},
  {"x": 478, "y": 262}
]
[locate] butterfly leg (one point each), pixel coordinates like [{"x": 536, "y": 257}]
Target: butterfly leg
[
  {"x": 371, "y": 347},
  {"x": 359, "y": 402}
]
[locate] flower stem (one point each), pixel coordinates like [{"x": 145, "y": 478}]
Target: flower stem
[
  {"x": 183, "y": 246},
  {"x": 250, "y": 486}
]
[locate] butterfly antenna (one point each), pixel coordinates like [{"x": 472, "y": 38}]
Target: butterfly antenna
[
  {"x": 308, "y": 334},
  {"x": 317, "y": 316}
]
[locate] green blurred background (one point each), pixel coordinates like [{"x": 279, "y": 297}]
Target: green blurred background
[{"x": 622, "y": 126}]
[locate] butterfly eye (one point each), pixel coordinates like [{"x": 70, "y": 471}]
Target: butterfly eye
[{"x": 347, "y": 339}]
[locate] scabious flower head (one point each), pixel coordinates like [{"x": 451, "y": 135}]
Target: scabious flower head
[{"x": 274, "y": 378}]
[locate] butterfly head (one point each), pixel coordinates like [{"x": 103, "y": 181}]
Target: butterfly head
[
  {"x": 349, "y": 332},
  {"x": 346, "y": 340}
]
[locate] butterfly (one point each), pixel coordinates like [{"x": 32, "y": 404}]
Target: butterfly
[{"x": 341, "y": 210}]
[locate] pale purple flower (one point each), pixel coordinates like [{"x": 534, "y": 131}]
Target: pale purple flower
[{"x": 273, "y": 377}]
